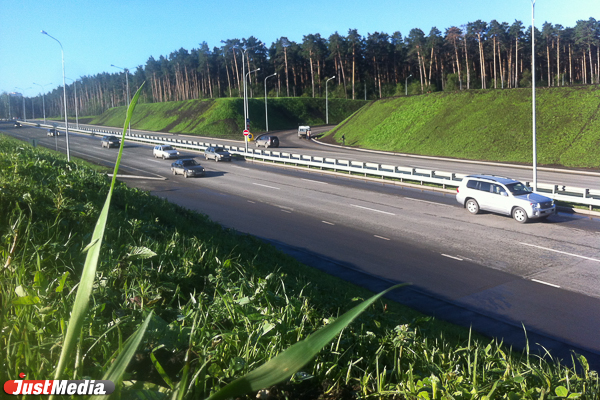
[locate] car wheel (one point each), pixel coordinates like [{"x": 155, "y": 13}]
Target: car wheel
[
  {"x": 216, "y": 159},
  {"x": 472, "y": 206},
  {"x": 163, "y": 157},
  {"x": 174, "y": 172},
  {"x": 520, "y": 215},
  {"x": 256, "y": 144},
  {"x": 186, "y": 175}
]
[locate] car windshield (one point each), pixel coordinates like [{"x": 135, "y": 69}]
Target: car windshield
[
  {"x": 219, "y": 149},
  {"x": 189, "y": 163},
  {"x": 518, "y": 189},
  {"x": 167, "y": 148}
]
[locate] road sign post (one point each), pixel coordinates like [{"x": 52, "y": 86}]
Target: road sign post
[{"x": 246, "y": 134}]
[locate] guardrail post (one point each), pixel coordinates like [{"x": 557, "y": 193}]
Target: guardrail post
[{"x": 586, "y": 194}]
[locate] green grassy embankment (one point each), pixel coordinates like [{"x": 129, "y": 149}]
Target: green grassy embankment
[
  {"x": 491, "y": 125},
  {"x": 224, "y": 117},
  {"x": 250, "y": 301}
]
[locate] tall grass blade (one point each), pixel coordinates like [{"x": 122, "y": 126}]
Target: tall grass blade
[
  {"x": 291, "y": 360},
  {"x": 117, "y": 368},
  {"x": 88, "y": 274}
]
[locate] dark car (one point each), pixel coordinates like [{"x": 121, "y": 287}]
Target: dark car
[
  {"x": 187, "y": 168},
  {"x": 17, "y": 124},
  {"x": 217, "y": 154},
  {"x": 52, "y": 132},
  {"x": 267, "y": 141},
  {"x": 110, "y": 141}
]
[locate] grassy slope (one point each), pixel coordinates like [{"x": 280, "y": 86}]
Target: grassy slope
[
  {"x": 492, "y": 125},
  {"x": 223, "y": 117}
]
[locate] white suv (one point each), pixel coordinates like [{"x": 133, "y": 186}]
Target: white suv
[
  {"x": 164, "y": 151},
  {"x": 504, "y": 196}
]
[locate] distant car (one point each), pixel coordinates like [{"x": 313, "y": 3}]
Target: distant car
[
  {"x": 503, "y": 195},
  {"x": 267, "y": 141},
  {"x": 165, "y": 151},
  {"x": 187, "y": 168},
  {"x": 17, "y": 124},
  {"x": 52, "y": 132},
  {"x": 217, "y": 154},
  {"x": 110, "y": 141}
]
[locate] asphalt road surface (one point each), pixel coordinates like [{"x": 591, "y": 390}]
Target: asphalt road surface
[{"x": 484, "y": 271}]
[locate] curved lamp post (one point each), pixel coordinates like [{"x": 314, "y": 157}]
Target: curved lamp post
[
  {"x": 327, "y": 102},
  {"x": 266, "y": 115},
  {"x": 126, "y": 84},
  {"x": 43, "y": 98},
  {"x": 243, "y": 50},
  {"x": 406, "y": 84},
  {"x": 64, "y": 93}
]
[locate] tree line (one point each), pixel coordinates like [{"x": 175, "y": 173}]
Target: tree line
[{"x": 478, "y": 55}]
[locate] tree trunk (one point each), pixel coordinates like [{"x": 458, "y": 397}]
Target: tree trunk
[
  {"x": 287, "y": 82},
  {"x": 353, "y": 69},
  {"x": 467, "y": 64},
  {"x": 517, "y": 62}
]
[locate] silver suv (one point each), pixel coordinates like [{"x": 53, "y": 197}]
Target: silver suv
[{"x": 504, "y": 196}]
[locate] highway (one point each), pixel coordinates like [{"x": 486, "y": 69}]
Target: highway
[{"x": 485, "y": 271}]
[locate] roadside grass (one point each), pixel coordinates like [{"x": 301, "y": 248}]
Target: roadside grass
[
  {"x": 491, "y": 125},
  {"x": 222, "y": 304}
]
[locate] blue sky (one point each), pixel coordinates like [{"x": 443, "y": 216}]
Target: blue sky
[{"x": 96, "y": 34}]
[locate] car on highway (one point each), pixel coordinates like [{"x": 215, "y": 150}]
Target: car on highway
[
  {"x": 217, "y": 154},
  {"x": 187, "y": 168},
  {"x": 503, "y": 195},
  {"x": 52, "y": 132},
  {"x": 267, "y": 141},
  {"x": 17, "y": 124},
  {"x": 165, "y": 151},
  {"x": 110, "y": 141}
]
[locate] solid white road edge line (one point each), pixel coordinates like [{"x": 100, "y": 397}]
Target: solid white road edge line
[
  {"x": 328, "y": 223},
  {"x": 561, "y": 252}
]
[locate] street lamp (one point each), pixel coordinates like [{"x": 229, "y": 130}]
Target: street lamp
[
  {"x": 76, "y": 113},
  {"x": 533, "y": 93},
  {"x": 247, "y": 75},
  {"x": 126, "y": 84},
  {"x": 327, "y": 102},
  {"x": 64, "y": 94},
  {"x": 243, "y": 50},
  {"x": 406, "y": 84},
  {"x": 23, "y": 98},
  {"x": 43, "y": 98},
  {"x": 266, "y": 115}
]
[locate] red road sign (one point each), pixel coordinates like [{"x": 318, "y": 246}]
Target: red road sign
[{"x": 246, "y": 132}]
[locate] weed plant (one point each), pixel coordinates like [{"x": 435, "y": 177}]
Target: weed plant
[{"x": 217, "y": 305}]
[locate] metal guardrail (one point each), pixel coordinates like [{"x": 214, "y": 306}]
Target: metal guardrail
[{"x": 569, "y": 194}]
